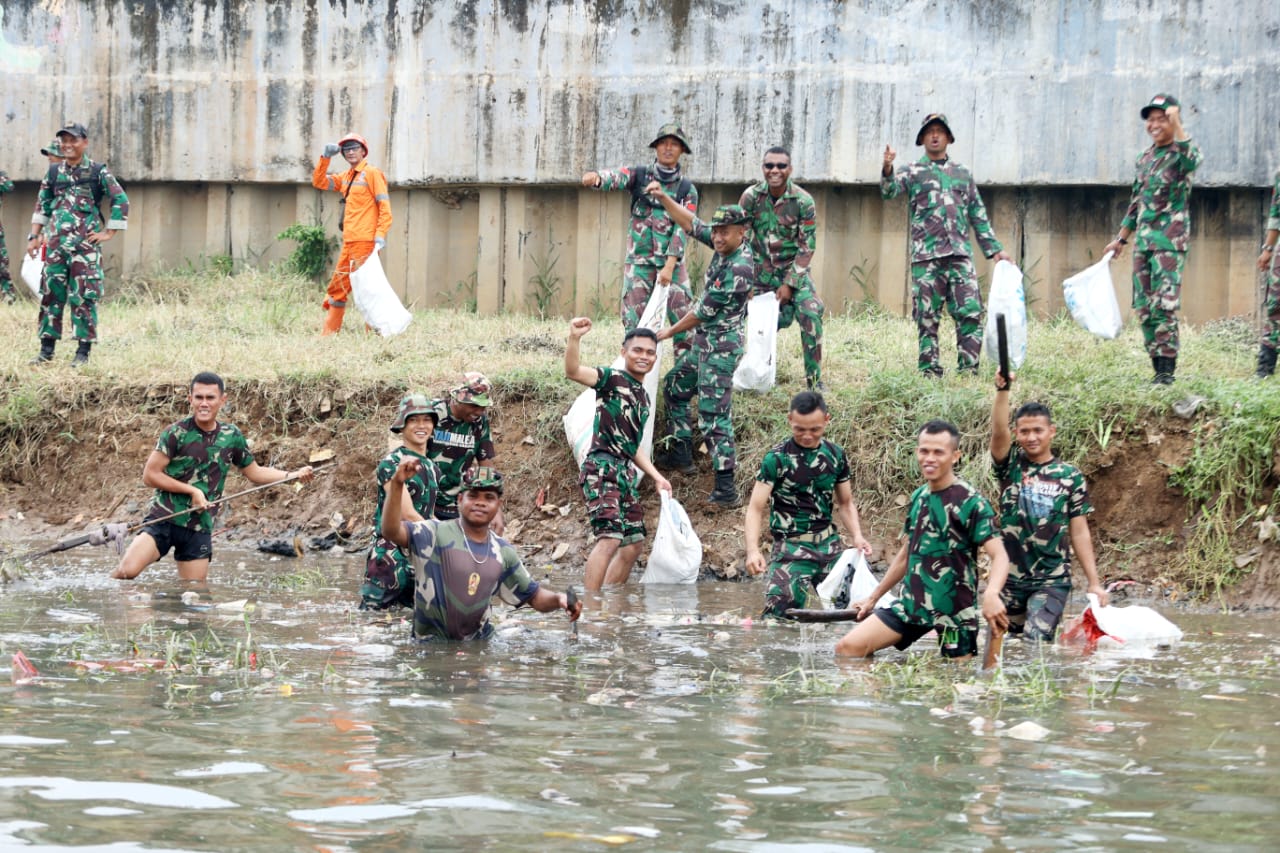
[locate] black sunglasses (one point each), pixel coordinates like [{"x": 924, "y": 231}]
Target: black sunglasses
[{"x": 776, "y": 166}]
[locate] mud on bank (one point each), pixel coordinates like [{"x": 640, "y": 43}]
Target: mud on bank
[{"x": 73, "y": 458}]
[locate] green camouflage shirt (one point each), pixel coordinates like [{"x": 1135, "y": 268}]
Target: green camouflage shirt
[
  {"x": 943, "y": 201},
  {"x": 804, "y": 484},
  {"x": 6, "y": 185},
  {"x": 783, "y": 233},
  {"x": 1037, "y": 503},
  {"x": 1159, "y": 214},
  {"x": 421, "y": 486},
  {"x": 1273, "y": 215},
  {"x": 653, "y": 236},
  {"x": 455, "y": 447},
  {"x": 944, "y": 531},
  {"x": 722, "y": 307},
  {"x": 455, "y": 580},
  {"x": 201, "y": 459},
  {"x": 67, "y": 201},
  {"x": 622, "y": 406}
]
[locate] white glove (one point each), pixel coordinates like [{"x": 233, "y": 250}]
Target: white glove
[
  {"x": 379, "y": 243},
  {"x": 330, "y": 149}
]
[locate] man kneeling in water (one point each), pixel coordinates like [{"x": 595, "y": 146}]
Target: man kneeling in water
[{"x": 460, "y": 564}]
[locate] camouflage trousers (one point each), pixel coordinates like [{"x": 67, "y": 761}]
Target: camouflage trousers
[
  {"x": 638, "y": 281},
  {"x": 805, "y": 310},
  {"x": 72, "y": 276},
  {"x": 1157, "y": 296},
  {"x": 950, "y": 281},
  {"x": 1035, "y": 613},
  {"x": 611, "y": 489},
  {"x": 1271, "y": 308},
  {"x": 388, "y": 577},
  {"x": 796, "y": 567},
  {"x": 705, "y": 371},
  {"x": 6, "y": 281}
]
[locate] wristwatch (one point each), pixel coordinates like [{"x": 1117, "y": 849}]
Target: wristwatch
[{"x": 1267, "y": 248}]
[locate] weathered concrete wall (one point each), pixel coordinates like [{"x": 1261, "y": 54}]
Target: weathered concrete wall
[
  {"x": 522, "y": 91},
  {"x": 484, "y": 113}
]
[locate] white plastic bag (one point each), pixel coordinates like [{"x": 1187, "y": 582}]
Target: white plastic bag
[
  {"x": 676, "y": 555},
  {"x": 1008, "y": 298},
  {"x": 850, "y": 581},
  {"x": 1091, "y": 298},
  {"x": 759, "y": 365},
  {"x": 1133, "y": 624},
  {"x": 32, "y": 272},
  {"x": 376, "y": 300},
  {"x": 581, "y": 417}
]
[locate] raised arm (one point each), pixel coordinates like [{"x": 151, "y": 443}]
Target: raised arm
[
  {"x": 1001, "y": 435},
  {"x": 393, "y": 528},
  {"x": 679, "y": 214},
  {"x": 573, "y": 367}
]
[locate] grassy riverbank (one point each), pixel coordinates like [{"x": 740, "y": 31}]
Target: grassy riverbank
[{"x": 1181, "y": 491}]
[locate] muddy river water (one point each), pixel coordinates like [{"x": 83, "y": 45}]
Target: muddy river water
[{"x": 262, "y": 712}]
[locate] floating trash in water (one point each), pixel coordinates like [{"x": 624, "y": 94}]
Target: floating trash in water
[
  {"x": 23, "y": 672},
  {"x": 1028, "y": 730}
]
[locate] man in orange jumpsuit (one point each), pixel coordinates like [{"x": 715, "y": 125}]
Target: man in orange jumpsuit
[{"x": 364, "y": 221}]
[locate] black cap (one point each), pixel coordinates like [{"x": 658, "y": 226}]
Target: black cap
[{"x": 74, "y": 128}]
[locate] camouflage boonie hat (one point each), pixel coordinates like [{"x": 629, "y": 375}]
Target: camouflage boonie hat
[
  {"x": 413, "y": 404},
  {"x": 1159, "y": 102},
  {"x": 482, "y": 477},
  {"x": 474, "y": 389},
  {"x": 671, "y": 129},
  {"x": 941, "y": 119},
  {"x": 729, "y": 214},
  {"x": 53, "y": 149}
]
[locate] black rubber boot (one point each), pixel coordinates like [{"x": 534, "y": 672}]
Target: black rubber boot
[
  {"x": 1266, "y": 362},
  {"x": 677, "y": 457},
  {"x": 726, "y": 493},
  {"x": 1164, "y": 367},
  {"x": 82, "y": 354},
  {"x": 46, "y": 351}
]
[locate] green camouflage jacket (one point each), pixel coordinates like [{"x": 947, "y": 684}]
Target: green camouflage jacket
[
  {"x": 622, "y": 406},
  {"x": 1159, "y": 213},
  {"x": 201, "y": 459},
  {"x": 456, "y": 446},
  {"x": 1273, "y": 215},
  {"x": 804, "y": 484},
  {"x": 722, "y": 307},
  {"x": 944, "y": 531},
  {"x": 783, "y": 233},
  {"x": 67, "y": 201},
  {"x": 1037, "y": 503},
  {"x": 943, "y": 202},
  {"x": 653, "y": 236}
]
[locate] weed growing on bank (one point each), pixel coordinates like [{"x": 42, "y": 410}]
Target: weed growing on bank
[{"x": 260, "y": 330}]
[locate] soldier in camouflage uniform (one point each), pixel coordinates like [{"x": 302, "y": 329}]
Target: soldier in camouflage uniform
[
  {"x": 706, "y": 370},
  {"x": 459, "y": 565},
  {"x": 1044, "y": 505},
  {"x": 609, "y": 480},
  {"x": 944, "y": 202},
  {"x": 947, "y": 523},
  {"x": 188, "y": 470},
  {"x": 69, "y": 202},
  {"x": 6, "y": 281},
  {"x": 1271, "y": 298},
  {"x": 1159, "y": 220},
  {"x": 801, "y": 482},
  {"x": 655, "y": 246},
  {"x": 388, "y": 577},
  {"x": 462, "y": 441},
  {"x": 784, "y": 235}
]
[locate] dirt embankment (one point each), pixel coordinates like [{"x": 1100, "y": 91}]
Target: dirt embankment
[{"x": 86, "y": 467}]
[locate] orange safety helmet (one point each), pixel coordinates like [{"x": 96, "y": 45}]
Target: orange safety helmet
[{"x": 354, "y": 137}]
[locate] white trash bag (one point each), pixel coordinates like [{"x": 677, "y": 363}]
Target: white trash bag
[
  {"x": 1091, "y": 298},
  {"x": 1008, "y": 298},
  {"x": 1127, "y": 626},
  {"x": 676, "y": 555},
  {"x": 759, "y": 365},
  {"x": 850, "y": 581},
  {"x": 32, "y": 272},
  {"x": 376, "y": 300},
  {"x": 580, "y": 420}
]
